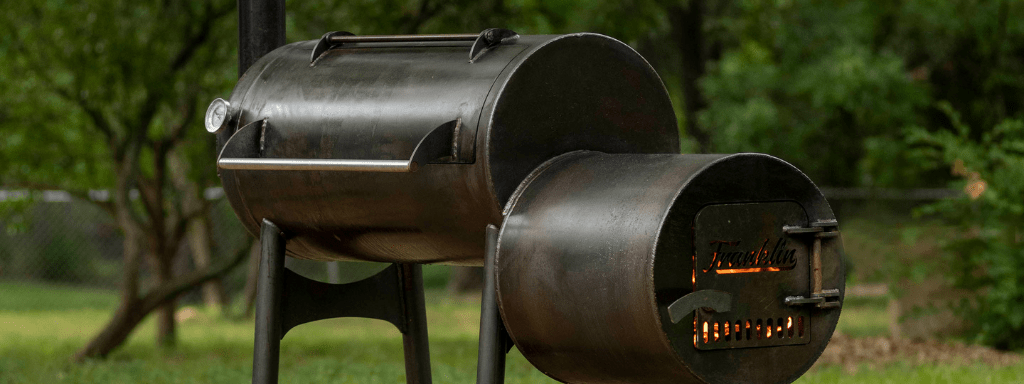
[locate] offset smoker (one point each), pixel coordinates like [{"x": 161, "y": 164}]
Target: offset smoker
[{"x": 617, "y": 260}]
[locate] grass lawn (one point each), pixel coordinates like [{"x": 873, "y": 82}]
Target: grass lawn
[{"x": 41, "y": 326}]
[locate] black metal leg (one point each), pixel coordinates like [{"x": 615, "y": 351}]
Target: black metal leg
[
  {"x": 491, "y": 360},
  {"x": 414, "y": 339},
  {"x": 267, "y": 349},
  {"x": 285, "y": 299}
]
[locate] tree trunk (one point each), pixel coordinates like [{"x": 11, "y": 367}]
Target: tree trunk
[
  {"x": 200, "y": 244},
  {"x": 465, "y": 279},
  {"x": 688, "y": 30},
  {"x": 128, "y": 314},
  {"x": 134, "y": 310},
  {"x": 198, "y": 230},
  {"x": 166, "y": 332},
  {"x": 251, "y": 277},
  {"x": 125, "y": 319}
]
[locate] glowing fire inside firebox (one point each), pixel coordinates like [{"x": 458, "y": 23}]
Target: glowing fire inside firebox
[
  {"x": 730, "y": 257},
  {"x": 748, "y": 270}
]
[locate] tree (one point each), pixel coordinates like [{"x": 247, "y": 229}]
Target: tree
[
  {"x": 805, "y": 81},
  {"x": 985, "y": 256},
  {"x": 108, "y": 95},
  {"x": 835, "y": 87}
]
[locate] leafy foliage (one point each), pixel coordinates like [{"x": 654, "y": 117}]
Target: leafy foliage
[
  {"x": 806, "y": 83},
  {"x": 988, "y": 257},
  {"x": 830, "y": 86},
  {"x": 82, "y": 79}
]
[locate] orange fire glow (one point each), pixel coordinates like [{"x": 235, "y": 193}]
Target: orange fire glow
[
  {"x": 705, "y": 332},
  {"x": 693, "y": 277},
  {"x": 695, "y": 331},
  {"x": 744, "y": 270}
]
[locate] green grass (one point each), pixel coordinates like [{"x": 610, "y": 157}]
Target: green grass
[
  {"x": 903, "y": 374},
  {"x": 44, "y": 325},
  {"x": 864, "y": 316},
  {"x": 20, "y": 297}
]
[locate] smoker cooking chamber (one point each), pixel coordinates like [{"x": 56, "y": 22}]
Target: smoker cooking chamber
[{"x": 491, "y": 122}]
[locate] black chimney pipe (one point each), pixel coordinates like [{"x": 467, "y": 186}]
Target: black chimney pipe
[{"x": 261, "y": 29}]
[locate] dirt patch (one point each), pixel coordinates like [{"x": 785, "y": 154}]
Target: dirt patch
[{"x": 875, "y": 352}]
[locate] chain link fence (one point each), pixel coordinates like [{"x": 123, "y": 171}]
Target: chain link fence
[{"x": 50, "y": 237}]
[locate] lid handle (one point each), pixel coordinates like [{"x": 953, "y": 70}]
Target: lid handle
[
  {"x": 240, "y": 153},
  {"x": 482, "y": 41}
]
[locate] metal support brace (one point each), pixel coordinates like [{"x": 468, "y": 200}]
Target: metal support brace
[
  {"x": 286, "y": 299},
  {"x": 494, "y": 340}
]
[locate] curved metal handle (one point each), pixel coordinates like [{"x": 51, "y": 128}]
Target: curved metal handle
[
  {"x": 717, "y": 301},
  {"x": 487, "y": 39},
  {"x": 435, "y": 144},
  {"x": 318, "y": 165}
]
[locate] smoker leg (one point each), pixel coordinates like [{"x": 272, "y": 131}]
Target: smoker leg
[
  {"x": 493, "y": 345},
  {"x": 414, "y": 339},
  {"x": 267, "y": 349},
  {"x": 285, "y": 299}
]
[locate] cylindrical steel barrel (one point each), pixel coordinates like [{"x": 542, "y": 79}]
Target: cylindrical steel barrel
[
  {"x": 669, "y": 269},
  {"x": 404, "y": 151}
]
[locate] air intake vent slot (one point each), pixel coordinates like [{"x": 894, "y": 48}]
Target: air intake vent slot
[{"x": 750, "y": 332}]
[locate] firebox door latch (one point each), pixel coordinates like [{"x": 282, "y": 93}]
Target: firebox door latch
[{"x": 820, "y": 231}]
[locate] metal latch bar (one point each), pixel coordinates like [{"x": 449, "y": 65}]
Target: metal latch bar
[{"x": 828, "y": 298}]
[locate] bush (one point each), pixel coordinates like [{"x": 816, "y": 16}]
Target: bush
[{"x": 987, "y": 256}]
